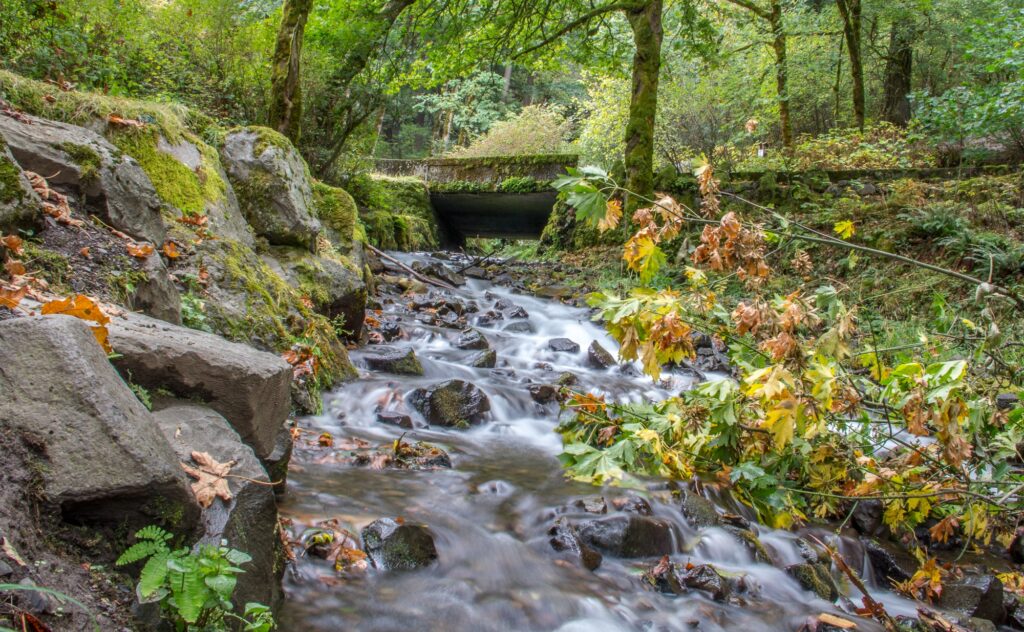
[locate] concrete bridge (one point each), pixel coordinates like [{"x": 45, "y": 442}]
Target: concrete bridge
[{"x": 492, "y": 197}]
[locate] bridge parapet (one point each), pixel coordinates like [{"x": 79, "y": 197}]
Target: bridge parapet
[{"x": 488, "y": 170}]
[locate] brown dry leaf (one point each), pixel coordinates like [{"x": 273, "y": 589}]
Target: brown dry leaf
[
  {"x": 15, "y": 268},
  {"x": 379, "y": 461},
  {"x": 12, "y": 243},
  {"x": 210, "y": 478},
  {"x": 194, "y": 220},
  {"x": 944, "y": 529},
  {"x": 835, "y": 621},
  {"x": 29, "y": 623},
  {"x": 114, "y": 119},
  {"x": 140, "y": 251},
  {"x": 170, "y": 250},
  {"x": 85, "y": 252},
  {"x": 325, "y": 440},
  {"x": 81, "y": 306}
]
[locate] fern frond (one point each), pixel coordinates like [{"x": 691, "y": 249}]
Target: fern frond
[
  {"x": 140, "y": 551},
  {"x": 153, "y": 532},
  {"x": 190, "y": 592},
  {"x": 153, "y": 574}
]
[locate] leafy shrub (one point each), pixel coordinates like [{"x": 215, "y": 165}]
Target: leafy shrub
[
  {"x": 193, "y": 588},
  {"x": 537, "y": 129},
  {"x": 937, "y": 221}
]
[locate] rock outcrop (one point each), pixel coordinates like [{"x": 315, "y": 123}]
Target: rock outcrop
[
  {"x": 250, "y": 388},
  {"x": 87, "y": 165},
  {"x": 102, "y": 456},
  {"x": 248, "y": 522},
  {"x": 273, "y": 186}
]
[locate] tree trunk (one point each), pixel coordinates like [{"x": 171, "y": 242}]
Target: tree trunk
[
  {"x": 781, "y": 71},
  {"x": 506, "y": 85},
  {"x": 285, "y": 114},
  {"x": 645, "y": 20},
  {"x": 850, "y": 11},
  {"x": 899, "y": 66}
]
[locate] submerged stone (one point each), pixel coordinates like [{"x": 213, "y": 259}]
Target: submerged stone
[{"x": 392, "y": 546}]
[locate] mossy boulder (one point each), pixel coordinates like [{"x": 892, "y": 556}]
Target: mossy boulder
[
  {"x": 564, "y": 231},
  {"x": 392, "y": 546},
  {"x": 455, "y": 403},
  {"x": 396, "y": 212},
  {"x": 393, "y": 360},
  {"x": 273, "y": 185},
  {"x": 247, "y": 301},
  {"x": 80, "y": 162},
  {"x": 20, "y": 207},
  {"x": 815, "y": 578},
  {"x": 332, "y": 284},
  {"x": 337, "y": 211}
]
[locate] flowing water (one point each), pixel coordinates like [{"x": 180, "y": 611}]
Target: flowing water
[{"x": 491, "y": 511}]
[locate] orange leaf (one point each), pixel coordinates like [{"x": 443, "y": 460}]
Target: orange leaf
[
  {"x": 84, "y": 252},
  {"x": 114, "y": 119},
  {"x": 12, "y": 242},
  {"x": 11, "y": 298},
  {"x": 140, "y": 251},
  {"x": 15, "y": 268},
  {"x": 194, "y": 220},
  {"x": 171, "y": 250},
  {"x": 325, "y": 440},
  {"x": 81, "y": 306}
]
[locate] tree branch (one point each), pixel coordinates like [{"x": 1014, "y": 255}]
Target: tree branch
[{"x": 575, "y": 24}]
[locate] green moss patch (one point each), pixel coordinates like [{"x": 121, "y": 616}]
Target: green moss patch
[
  {"x": 176, "y": 184},
  {"x": 336, "y": 209},
  {"x": 396, "y": 212},
  {"x": 10, "y": 181},
  {"x": 88, "y": 161}
]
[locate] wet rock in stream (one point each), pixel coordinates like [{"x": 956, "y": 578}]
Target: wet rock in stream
[
  {"x": 565, "y": 539},
  {"x": 674, "y": 579},
  {"x": 598, "y": 357},
  {"x": 455, "y": 404},
  {"x": 815, "y": 578},
  {"x": 979, "y": 596},
  {"x": 563, "y": 345},
  {"x": 396, "y": 419},
  {"x": 628, "y": 535},
  {"x": 473, "y": 340},
  {"x": 392, "y": 546},
  {"x": 543, "y": 393},
  {"x": 439, "y": 271},
  {"x": 393, "y": 360},
  {"x": 487, "y": 359}
]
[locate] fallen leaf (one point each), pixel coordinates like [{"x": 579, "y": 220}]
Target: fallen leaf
[
  {"x": 81, "y": 306},
  {"x": 12, "y": 243},
  {"x": 194, "y": 220},
  {"x": 30, "y": 622},
  {"x": 170, "y": 249},
  {"x": 114, "y": 119},
  {"x": 11, "y": 298},
  {"x": 325, "y": 440},
  {"x": 210, "y": 478},
  {"x": 140, "y": 251},
  {"x": 15, "y": 268},
  {"x": 85, "y": 252}
]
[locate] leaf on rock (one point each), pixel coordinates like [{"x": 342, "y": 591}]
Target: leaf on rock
[
  {"x": 140, "y": 251},
  {"x": 118, "y": 121},
  {"x": 12, "y": 243},
  {"x": 170, "y": 250},
  {"x": 81, "y": 306},
  {"x": 210, "y": 478}
]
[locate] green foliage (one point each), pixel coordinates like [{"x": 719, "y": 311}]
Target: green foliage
[
  {"x": 536, "y": 129},
  {"x": 193, "y": 588}
]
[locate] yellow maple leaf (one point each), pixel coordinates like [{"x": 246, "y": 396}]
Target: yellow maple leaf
[
  {"x": 844, "y": 229},
  {"x": 781, "y": 421}
]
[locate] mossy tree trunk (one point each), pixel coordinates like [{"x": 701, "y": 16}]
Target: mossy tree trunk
[
  {"x": 899, "y": 66},
  {"x": 645, "y": 21},
  {"x": 850, "y": 12},
  {"x": 285, "y": 113}
]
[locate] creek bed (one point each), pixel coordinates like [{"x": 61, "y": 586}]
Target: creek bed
[{"x": 491, "y": 511}]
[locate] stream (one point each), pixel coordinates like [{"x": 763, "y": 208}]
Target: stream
[{"x": 491, "y": 511}]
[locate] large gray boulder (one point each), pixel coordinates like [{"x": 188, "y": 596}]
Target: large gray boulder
[
  {"x": 249, "y": 520},
  {"x": 84, "y": 163},
  {"x": 333, "y": 283},
  {"x": 19, "y": 205},
  {"x": 102, "y": 456},
  {"x": 273, "y": 186},
  {"x": 250, "y": 388},
  {"x": 156, "y": 295}
]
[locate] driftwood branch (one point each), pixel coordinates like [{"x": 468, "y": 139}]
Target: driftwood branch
[{"x": 409, "y": 270}]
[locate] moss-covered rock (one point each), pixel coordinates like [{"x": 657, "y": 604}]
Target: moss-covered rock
[
  {"x": 247, "y": 301},
  {"x": 331, "y": 282},
  {"x": 396, "y": 212},
  {"x": 337, "y": 211},
  {"x": 564, "y": 231},
  {"x": 273, "y": 185},
  {"x": 815, "y": 578},
  {"x": 20, "y": 207}
]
